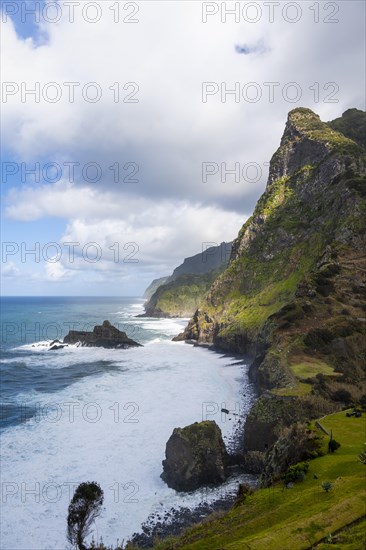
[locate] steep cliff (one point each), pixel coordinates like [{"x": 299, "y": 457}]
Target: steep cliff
[
  {"x": 154, "y": 285},
  {"x": 180, "y": 294},
  {"x": 211, "y": 258},
  {"x": 294, "y": 293}
]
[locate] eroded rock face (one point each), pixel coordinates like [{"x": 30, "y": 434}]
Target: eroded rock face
[
  {"x": 103, "y": 336},
  {"x": 195, "y": 456}
]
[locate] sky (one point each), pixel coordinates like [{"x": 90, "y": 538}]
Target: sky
[{"x": 135, "y": 134}]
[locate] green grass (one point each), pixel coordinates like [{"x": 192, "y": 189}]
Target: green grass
[
  {"x": 299, "y": 389},
  {"x": 310, "y": 368},
  {"x": 300, "y": 517},
  {"x": 352, "y": 537}
]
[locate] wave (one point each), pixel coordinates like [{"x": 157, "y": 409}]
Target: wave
[{"x": 111, "y": 418}]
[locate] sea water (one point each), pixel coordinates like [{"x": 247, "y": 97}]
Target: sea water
[{"x": 91, "y": 414}]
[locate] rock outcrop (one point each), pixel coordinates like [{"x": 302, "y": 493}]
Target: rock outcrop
[
  {"x": 195, "y": 457},
  {"x": 103, "y": 336}
]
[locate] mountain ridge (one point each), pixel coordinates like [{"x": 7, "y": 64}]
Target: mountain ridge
[{"x": 293, "y": 297}]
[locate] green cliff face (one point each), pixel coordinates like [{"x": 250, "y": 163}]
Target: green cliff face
[
  {"x": 180, "y": 294},
  {"x": 153, "y": 286},
  {"x": 294, "y": 293},
  {"x": 352, "y": 124},
  {"x": 180, "y": 297}
]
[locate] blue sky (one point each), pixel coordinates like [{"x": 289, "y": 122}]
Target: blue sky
[
  {"x": 22, "y": 16},
  {"x": 164, "y": 212}
]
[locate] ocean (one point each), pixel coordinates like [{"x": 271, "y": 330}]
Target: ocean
[{"x": 91, "y": 414}]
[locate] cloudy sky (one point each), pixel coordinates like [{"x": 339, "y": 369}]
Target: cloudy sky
[{"x": 123, "y": 150}]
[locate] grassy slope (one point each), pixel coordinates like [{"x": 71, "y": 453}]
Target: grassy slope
[{"x": 300, "y": 517}]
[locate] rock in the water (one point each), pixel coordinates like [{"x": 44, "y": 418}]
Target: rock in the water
[
  {"x": 195, "y": 456},
  {"x": 57, "y": 346},
  {"x": 103, "y": 336}
]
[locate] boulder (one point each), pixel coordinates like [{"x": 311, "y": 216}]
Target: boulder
[
  {"x": 57, "y": 346},
  {"x": 195, "y": 456},
  {"x": 103, "y": 336}
]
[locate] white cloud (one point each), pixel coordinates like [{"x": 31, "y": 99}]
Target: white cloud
[
  {"x": 10, "y": 270},
  {"x": 170, "y": 132},
  {"x": 54, "y": 271},
  {"x": 164, "y": 232}
]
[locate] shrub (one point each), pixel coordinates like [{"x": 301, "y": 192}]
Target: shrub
[
  {"x": 84, "y": 507},
  {"x": 296, "y": 472},
  {"x": 342, "y": 395},
  {"x": 327, "y": 486},
  {"x": 318, "y": 338},
  {"x": 333, "y": 445}
]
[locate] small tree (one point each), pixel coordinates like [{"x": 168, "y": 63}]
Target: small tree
[
  {"x": 333, "y": 445},
  {"x": 84, "y": 507},
  {"x": 327, "y": 486}
]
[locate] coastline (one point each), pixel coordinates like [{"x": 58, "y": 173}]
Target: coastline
[
  {"x": 172, "y": 522},
  {"x": 184, "y": 378}
]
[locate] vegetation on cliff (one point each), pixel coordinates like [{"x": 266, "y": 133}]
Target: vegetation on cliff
[
  {"x": 180, "y": 297},
  {"x": 180, "y": 294},
  {"x": 294, "y": 293}
]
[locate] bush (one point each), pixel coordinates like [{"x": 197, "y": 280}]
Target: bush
[
  {"x": 342, "y": 395},
  {"x": 327, "y": 486},
  {"x": 318, "y": 338},
  {"x": 296, "y": 472},
  {"x": 333, "y": 445}
]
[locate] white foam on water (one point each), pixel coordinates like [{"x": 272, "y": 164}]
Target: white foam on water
[{"x": 111, "y": 428}]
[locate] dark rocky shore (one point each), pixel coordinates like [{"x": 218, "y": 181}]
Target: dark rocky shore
[{"x": 174, "y": 521}]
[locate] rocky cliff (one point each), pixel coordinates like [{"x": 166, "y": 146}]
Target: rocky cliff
[
  {"x": 179, "y": 297},
  {"x": 294, "y": 293},
  {"x": 180, "y": 294},
  {"x": 211, "y": 258}
]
